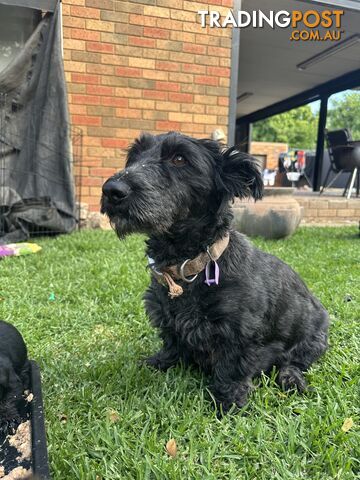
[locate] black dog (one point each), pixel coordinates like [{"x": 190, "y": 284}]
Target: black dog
[
  {"x": 258, "y": 313},
  {"x": 14, "y": 374}
]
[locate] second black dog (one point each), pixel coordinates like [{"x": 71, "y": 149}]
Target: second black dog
[
  {"x": 254, "y": 312},
  {"x": 14, "y": 374}
]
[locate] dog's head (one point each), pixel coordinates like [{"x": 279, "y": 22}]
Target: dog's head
[{"x": 171, "y": 177}]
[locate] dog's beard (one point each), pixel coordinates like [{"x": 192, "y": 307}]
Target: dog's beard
[{"x": 139, "y": 221}]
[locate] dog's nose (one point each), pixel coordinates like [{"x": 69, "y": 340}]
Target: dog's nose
[{"x": 116, "y": 190}]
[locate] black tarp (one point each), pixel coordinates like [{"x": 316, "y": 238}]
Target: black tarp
[{"x": 36, "y": 180}]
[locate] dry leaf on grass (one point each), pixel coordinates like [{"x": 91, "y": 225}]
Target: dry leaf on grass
[
  {"x": 113, "y": 416},
  {"x": 63, "y": 418},
  {"x": 348, "y": 423},
  {"x": 171, "y": 448}
]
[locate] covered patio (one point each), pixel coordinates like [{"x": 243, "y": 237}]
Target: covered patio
[{"x": 276, "y": 74}]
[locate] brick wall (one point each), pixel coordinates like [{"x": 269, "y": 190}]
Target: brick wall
[
  {"x": 271, "y": 150},
  {"x": 329, "y": 210},
  {"x": 136, "y": 66}
]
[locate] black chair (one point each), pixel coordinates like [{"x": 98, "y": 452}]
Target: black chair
[{"x": 344, "y": 156}]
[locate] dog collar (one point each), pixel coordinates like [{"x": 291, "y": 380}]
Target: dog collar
[{"x": 190, "y": 268}]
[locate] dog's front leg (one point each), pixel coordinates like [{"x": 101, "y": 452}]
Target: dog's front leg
[
  {"x": 168, "y": 356},
  {"x": 227, "y": 389}
]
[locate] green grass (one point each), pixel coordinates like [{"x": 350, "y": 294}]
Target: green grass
[{"x": 90, "y": 339}]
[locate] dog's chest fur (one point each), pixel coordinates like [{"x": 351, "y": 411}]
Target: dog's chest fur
[{"x": 186, "y": 318}]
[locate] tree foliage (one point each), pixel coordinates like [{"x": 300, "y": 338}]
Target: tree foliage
[
  {"x": 344, "y": 112},
  {"x": 298, "y": 127}
]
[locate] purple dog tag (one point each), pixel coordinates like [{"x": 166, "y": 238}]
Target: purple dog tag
[{"x": 209, "y": 281}]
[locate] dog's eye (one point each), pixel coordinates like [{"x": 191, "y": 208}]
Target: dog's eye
[{"x": 178, "y": 160}]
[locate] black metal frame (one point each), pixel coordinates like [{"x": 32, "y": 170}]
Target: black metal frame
[
  {"x": 338, "y": 172},
  {"x": 321, "y": 92}
]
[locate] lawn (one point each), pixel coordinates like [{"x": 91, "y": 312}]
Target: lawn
[{"x": 78, "y": 305}]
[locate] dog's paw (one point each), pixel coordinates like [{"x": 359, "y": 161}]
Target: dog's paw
[
  {"x": 235, "y": 402},
  {"x": 158, "y": 363},
  {"x": 290, "y": 378}
]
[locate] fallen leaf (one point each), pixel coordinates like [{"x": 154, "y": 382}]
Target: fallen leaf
[
  {"x": 348, "y": 423},
  {"x": 63, "y": 418},
  {"x": 114, "y": 416},
  {"x": 171, "y": 448}
]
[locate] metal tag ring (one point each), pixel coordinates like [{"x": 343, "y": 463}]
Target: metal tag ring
[{"x": 182, "y": 275}]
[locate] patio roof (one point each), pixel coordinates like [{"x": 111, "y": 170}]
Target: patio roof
[{"x": 268, "y": 59}]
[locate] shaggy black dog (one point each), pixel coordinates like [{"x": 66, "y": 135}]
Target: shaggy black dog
[
  {"x": 260, "y": 314},
  {"x": 14, "y": 374}
]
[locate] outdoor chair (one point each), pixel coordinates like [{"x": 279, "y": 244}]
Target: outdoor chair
[{"x": 344, "y": 156}]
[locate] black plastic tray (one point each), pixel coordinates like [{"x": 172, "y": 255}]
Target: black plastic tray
[
  {"x": 33, "y": 411},
  {"x": 40, "y": 461}
]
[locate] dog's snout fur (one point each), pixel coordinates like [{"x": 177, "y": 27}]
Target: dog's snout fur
[{"x": 260, "y": 314}]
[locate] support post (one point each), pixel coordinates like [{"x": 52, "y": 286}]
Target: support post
[
  {"x": 243, "y": 136},
  {"x": 234, "y": 78},
  {"x": 320, "y": 144}
]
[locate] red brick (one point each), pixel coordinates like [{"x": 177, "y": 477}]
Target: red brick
[
  {"x": 100, "y": 69},
  {"x": 99, "y": 90},
  {"x": 102, "y": 172},
  {"x": 167, "y": 126},
  {"x": 115, "y": 101},
  {"x": 100, "y": 47},
  {"x": 218, "y": 71},
  {"x": 192, "y": 68},
  {"x": 155, "y": 94},
  {"x": 128, "y": 72},
  {"x": 114, "y": 143},
  {"x": 156, "y": 32},
  {"x": 142, "y": 42},
  {"x": 170, "y": 66},
  {"x": 168, "y": 86},
  {"x": 82, "y": 12},
  {"x": 85, "y": 99},
  {"x": 77, "y": 109},
  {"x": 86, "y": 120},
  {"x": 218, "y": 52},
  {"x": 92, "y": 181},
  {"x": 83, "y": 78},
  {"x": 142, "y": 20},
  {"x": 128, "y": 113},
  {"x": 207, "y": 80},
  {"x": 85, "y": 35},
  {"x": 192, "y": 48},
  {"x": 181, "y": 97},
  {"x": 224, "y": 101}
]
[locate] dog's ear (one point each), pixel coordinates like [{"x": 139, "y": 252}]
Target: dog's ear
[{"x": 240, "y": 175}]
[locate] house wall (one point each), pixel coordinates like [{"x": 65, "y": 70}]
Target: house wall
[
  {"x": 269, "y": 149},
  {"x": 135, "y": 66}
]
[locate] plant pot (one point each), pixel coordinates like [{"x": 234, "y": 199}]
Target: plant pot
[
  {"x": 33, "y": 411},
  {"x": 277, "y": 215}
]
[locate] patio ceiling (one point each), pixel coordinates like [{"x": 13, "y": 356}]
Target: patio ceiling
[{"x": 268, "y": 58}]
